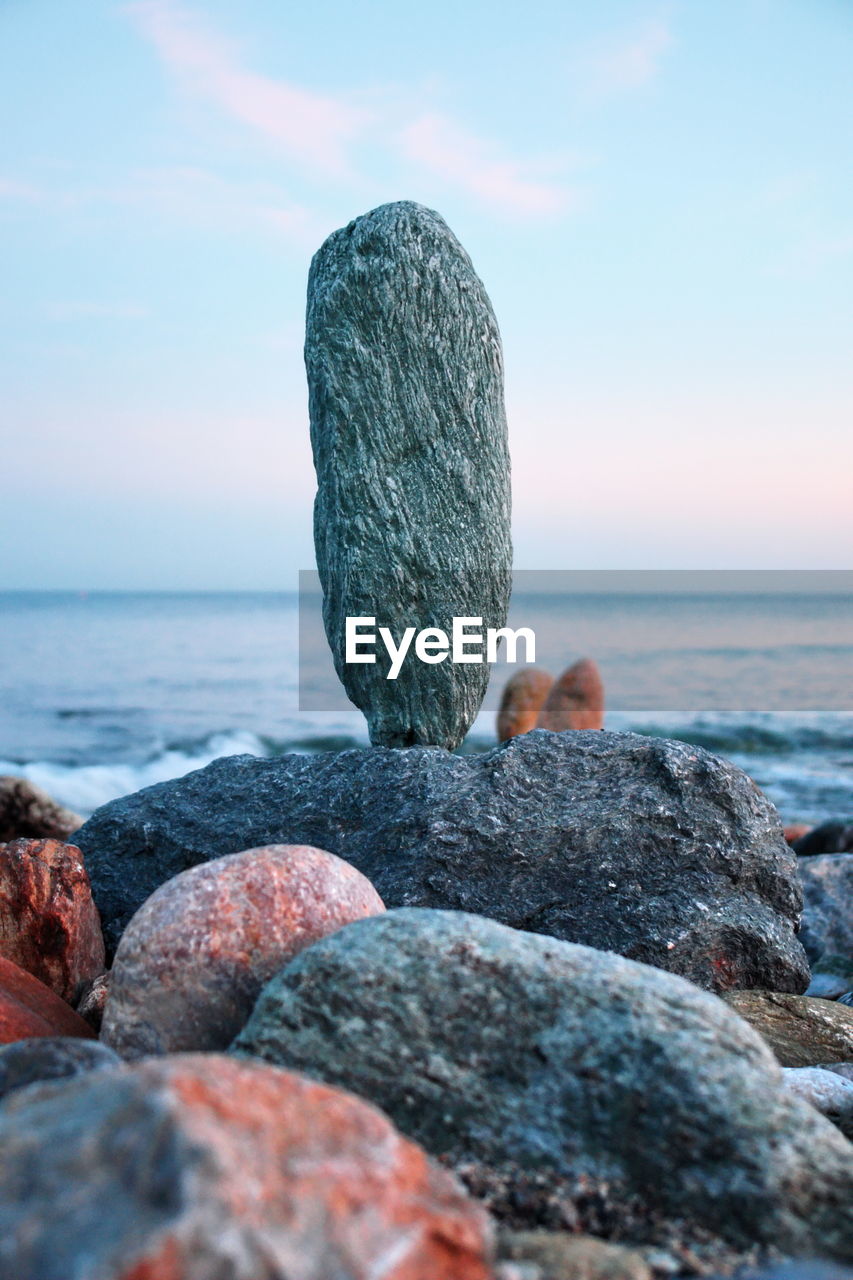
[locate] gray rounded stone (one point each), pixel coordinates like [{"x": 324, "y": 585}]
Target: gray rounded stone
[
  {"x": 828, "y": 1091},
  {"x": 655, "y": 849},
  {"x": 506, "y": 1048},
  {"x": 411, "y": 519},
  {"x": 26, "y": 1062}
]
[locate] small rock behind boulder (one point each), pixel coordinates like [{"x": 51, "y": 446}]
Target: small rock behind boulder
[{"x": 27, "y": 1062}]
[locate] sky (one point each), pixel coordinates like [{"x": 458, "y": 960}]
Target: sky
[{"x": 657, "y": 196}]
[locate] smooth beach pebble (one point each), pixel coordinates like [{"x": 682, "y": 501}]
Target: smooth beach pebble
[
  {"x": 193, "y": 959},
  {"x": 576, "y": 700},
  {"x": 522, "y": 699},
  {"x": 29, "y": 1008},
  {"x": 191, "y": 1167},
  {"x": 827, "y": 1091},
  {"x": 50, "y": 1058},
  {"x": 49, "y": 924}
]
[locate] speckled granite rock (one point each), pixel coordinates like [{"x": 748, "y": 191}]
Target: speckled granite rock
[
  {"x": 193, "y": 959},
  {"x": 411, "y": 519},
  {"x": 828, "y": 1091},
  {"x": 654, "y": 849},
  {"x": 801, "y": 1031},
  {"x": 197, "y": 1167},
  {"x": 27, "y": 1062},
  {"x": 487, "y": 1044},
  {"x": 828, "y": 911},
  {"x": 553, "y": 1255},
  {"x": 28, "y": 1008},
  {"x": 48, "y": 922}
]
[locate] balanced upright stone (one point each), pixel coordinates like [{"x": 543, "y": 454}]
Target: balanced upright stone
[{"x": 411, "y": 519}]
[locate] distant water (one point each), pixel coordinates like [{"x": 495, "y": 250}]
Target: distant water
[{"x": 102, "y": 694}]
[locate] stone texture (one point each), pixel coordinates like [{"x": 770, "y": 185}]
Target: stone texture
[
  {"x": 829, "y": 837},
  {"x": 832, "y": 976},
  {"x": 411, "y": 518},
  {"x": 801, "y": 1031},
  {"x": 651, "y": 848},
  {"x": 29, "y": 1008},
  {"x": 49, "y": 924},
  {"x": 194, "y": 958},
  {"x": 576, "y": 700},
  {"x": 796, "y": 832},
  {"x": 201, "y": 1168},
  {"x": 92, "y": 1000},
  {"x": 522, "y": 699},
  {"x": 504, "y": 1048},
  {"x": 554, "y": 1255},
  {"x": 827, "y": 925},
  {"x": 28, "y": 811},
  {"x": 830, "y": 1093},
  {"x": 29, "y": 1062}
]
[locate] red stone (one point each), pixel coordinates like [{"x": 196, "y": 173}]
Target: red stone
[
  {"x": 796, "y": 832},
  {"x": 192, "y": 962},
  {"x": 28, "y": 1008},
  {"x": 49, "y": 924},
  {"x": 523, "y": 696},
  {"x": 576, "y": 700},
  {"x": 201, "y": 1165}
]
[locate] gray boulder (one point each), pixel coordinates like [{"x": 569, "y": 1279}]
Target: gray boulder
[
  {"x": 411, "y": 519},
  {"x": 828, "y": 912},
  {"x": 654, "y": 849},
  {"x": 503, "y": 1048},
  {"x": 26, "y": 1062}
]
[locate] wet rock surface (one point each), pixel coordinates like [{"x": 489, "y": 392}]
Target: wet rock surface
[
  {"x": 193, "y": 959},
  {"x": 29, "y": 1062},
  {"x": 515, "y": 1051},
  {"x": 196, "y": 1166},
  {"x": 655, "y": 849},
  {"x": 29, "y": 1008},
  {"x": 801, "y": 1031},
  {"x": 49, "y": 924},
  {"x": 411, "y": 518}
]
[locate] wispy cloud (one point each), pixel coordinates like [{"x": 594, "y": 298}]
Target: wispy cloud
[
  {"x": 323, "y": 132},
  {"x": 623, "y": 63},
  {"x": 476, "y": 164},
  {"x": 316, "y": 128}
]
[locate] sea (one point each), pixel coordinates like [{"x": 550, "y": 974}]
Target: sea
[{"x": 103, "y": 693}]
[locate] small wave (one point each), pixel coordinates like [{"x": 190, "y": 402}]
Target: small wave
[{"x": 86, "y": 787}]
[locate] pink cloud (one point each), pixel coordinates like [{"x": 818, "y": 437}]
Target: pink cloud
[
  {"x": 316, "y": 128},
  {"x": 627, "y": 63},
  {"x": 476, "y": 165}
]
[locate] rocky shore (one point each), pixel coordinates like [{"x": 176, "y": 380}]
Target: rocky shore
[{"x": 293, "y": 1065}]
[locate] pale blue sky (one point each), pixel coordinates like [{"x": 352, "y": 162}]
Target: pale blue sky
[{"x": 659, "y": 198}]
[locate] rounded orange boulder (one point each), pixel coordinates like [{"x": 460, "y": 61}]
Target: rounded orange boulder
[
  {"x": 523, "y": 696},
  {"x": 28, "y": 1008},
  {"x": 198, "y": 1165},
  {"x": 49, "y": 924},
  {"x": 194, "y": 958},
  {"x": 576, "y": 700}
]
